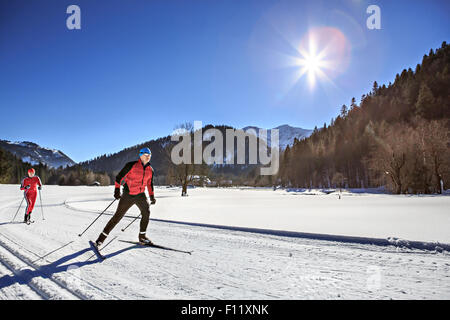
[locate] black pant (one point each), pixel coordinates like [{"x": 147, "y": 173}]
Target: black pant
[{"x": 125, "y": 203}]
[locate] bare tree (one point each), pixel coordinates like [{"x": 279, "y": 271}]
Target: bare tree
[
  {"x": 436, "y": 145},
  {"x": 183, "y": 174},
  {"x": 389, "y": 154}
]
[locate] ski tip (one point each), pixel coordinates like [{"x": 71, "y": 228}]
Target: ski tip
[{"x": 96, "y": 250}]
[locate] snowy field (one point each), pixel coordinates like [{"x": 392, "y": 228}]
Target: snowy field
[{"x": 47, "y": 260}]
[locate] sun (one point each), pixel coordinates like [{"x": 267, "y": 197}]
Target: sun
[
  {"x": 323, "y": 53},
  {"x": 312, "y": 64}
]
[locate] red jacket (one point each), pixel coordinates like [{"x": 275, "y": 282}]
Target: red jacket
[
  {"x": 134, "y": 177},
  {"x": 31, "y": 183}
]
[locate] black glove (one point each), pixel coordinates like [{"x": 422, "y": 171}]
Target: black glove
[
  {"x": 39, "y": 188},
  {"x": 152, "y": 199},
  {"x": 117, "y": 193},
  {"x": 27, "y": 187}
]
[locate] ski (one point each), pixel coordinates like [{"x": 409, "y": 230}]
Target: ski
[
  {"x": 156, "y": 246},
  {"x": 96, "y": 251}
]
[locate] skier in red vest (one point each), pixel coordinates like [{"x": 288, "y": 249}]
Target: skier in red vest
[
  {"x": 29, "y": 184},
  {"x": 135, "y": 176}
]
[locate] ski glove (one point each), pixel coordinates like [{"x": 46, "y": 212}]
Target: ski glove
[
  {"x": 152, "y": 199},
  {"x": 39, "y": 188},
  {"x": 117, "y": 193}
]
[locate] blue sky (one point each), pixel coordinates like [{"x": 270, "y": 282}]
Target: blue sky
[{"x": 136, "y": 69}]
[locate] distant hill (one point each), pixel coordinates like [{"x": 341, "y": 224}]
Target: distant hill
[
  {"x": 112, "y": 163},
  {"x": 32, "y": 153}
]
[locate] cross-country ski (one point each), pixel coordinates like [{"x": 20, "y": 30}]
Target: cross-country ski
[{"x": 152, "y": 245}]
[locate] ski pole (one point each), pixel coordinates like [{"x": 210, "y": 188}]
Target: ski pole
[
  {"x": 131, "y": 223},
  {"x": 97, "y": 218},
  {"x": 42, "y": 210},
  {"x": 18, "y": 209}
]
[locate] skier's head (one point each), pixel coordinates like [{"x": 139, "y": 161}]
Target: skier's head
[
  {"x": 31, "y": 172},
  {"x": 145, "y": 154}
]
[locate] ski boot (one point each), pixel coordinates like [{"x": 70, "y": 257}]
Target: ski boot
[
  {"x": 101, "y": 239},
  {"x": 28, "y": 219},
  {"x": 144, "y": 240}
]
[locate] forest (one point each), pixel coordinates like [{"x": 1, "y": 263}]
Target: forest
[
  {"x": 13, "y": 170},
  {"x": 397, "y": 137}
]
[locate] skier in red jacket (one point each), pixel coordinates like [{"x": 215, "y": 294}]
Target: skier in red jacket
[
  {"x": 135, "y": 176},
  {"x": 29, "y": 184}
]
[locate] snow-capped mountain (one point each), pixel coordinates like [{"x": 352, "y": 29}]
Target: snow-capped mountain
[
  {"x": 287, "y": 134},
  {"x": 32, "y": 153}
]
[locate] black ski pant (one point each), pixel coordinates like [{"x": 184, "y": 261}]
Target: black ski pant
[{"x": 125, "y": 203}]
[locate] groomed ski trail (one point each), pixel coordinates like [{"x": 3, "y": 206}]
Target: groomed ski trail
[
  {"x": 42, "y": 284},
  {"x": 39, "y": 278},
  {"x": 225, "y": 264}
]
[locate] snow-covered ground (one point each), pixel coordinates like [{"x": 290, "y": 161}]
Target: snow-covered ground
[{"x": 48, "y": 260}]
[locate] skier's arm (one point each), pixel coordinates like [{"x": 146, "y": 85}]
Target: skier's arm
[
  {"x": 22, "y": 186},
  {"x": 39, "y": 182},
  {"x": 150, "y": 188},
  {"x": 123, "y": 173},
  {"x": 150, "y": 184}
]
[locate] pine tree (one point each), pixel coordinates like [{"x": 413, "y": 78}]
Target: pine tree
[
  {"x": 344, "y": 111},
  {"x": 425, "y": 102},
  {"x": 375, "y": 87}
]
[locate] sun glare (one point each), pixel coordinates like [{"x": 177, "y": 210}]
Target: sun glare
[
  {"x": 312, "y": 65},
  {"x": 323, "y": 53}
]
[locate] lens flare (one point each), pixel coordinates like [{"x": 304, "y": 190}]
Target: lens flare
[{"x": 324, "y": 53}]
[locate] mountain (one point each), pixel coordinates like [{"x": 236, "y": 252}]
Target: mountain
[
  {"x": 32, "y": 153},
  {"x": 287, "y": 134},
  {"x": 112, "y": 163}
]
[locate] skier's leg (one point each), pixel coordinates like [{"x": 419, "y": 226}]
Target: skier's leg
[
  {"x": 32, "y": 200},
  {"x": 125, "y": 203},
  {"x": 144, "y": 206},
  {"x": 25, "y": 218}
]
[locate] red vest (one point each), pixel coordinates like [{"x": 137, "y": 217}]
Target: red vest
[{"x": 136, "y": 178}]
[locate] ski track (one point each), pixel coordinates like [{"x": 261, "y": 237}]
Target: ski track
[
  {"x": 47, "y": 260},
  {"x": 38, "y": 281}
]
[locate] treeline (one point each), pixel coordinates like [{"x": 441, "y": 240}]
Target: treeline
[
  {"x": 166, "y": 173},
  {"x": 77, "y": 176},
  {"x": 216, "y": 175},
  {"x": 13, "y": 170},
  {"x": 398, "y": 137},
  {"x": 113, "y": 163}
]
